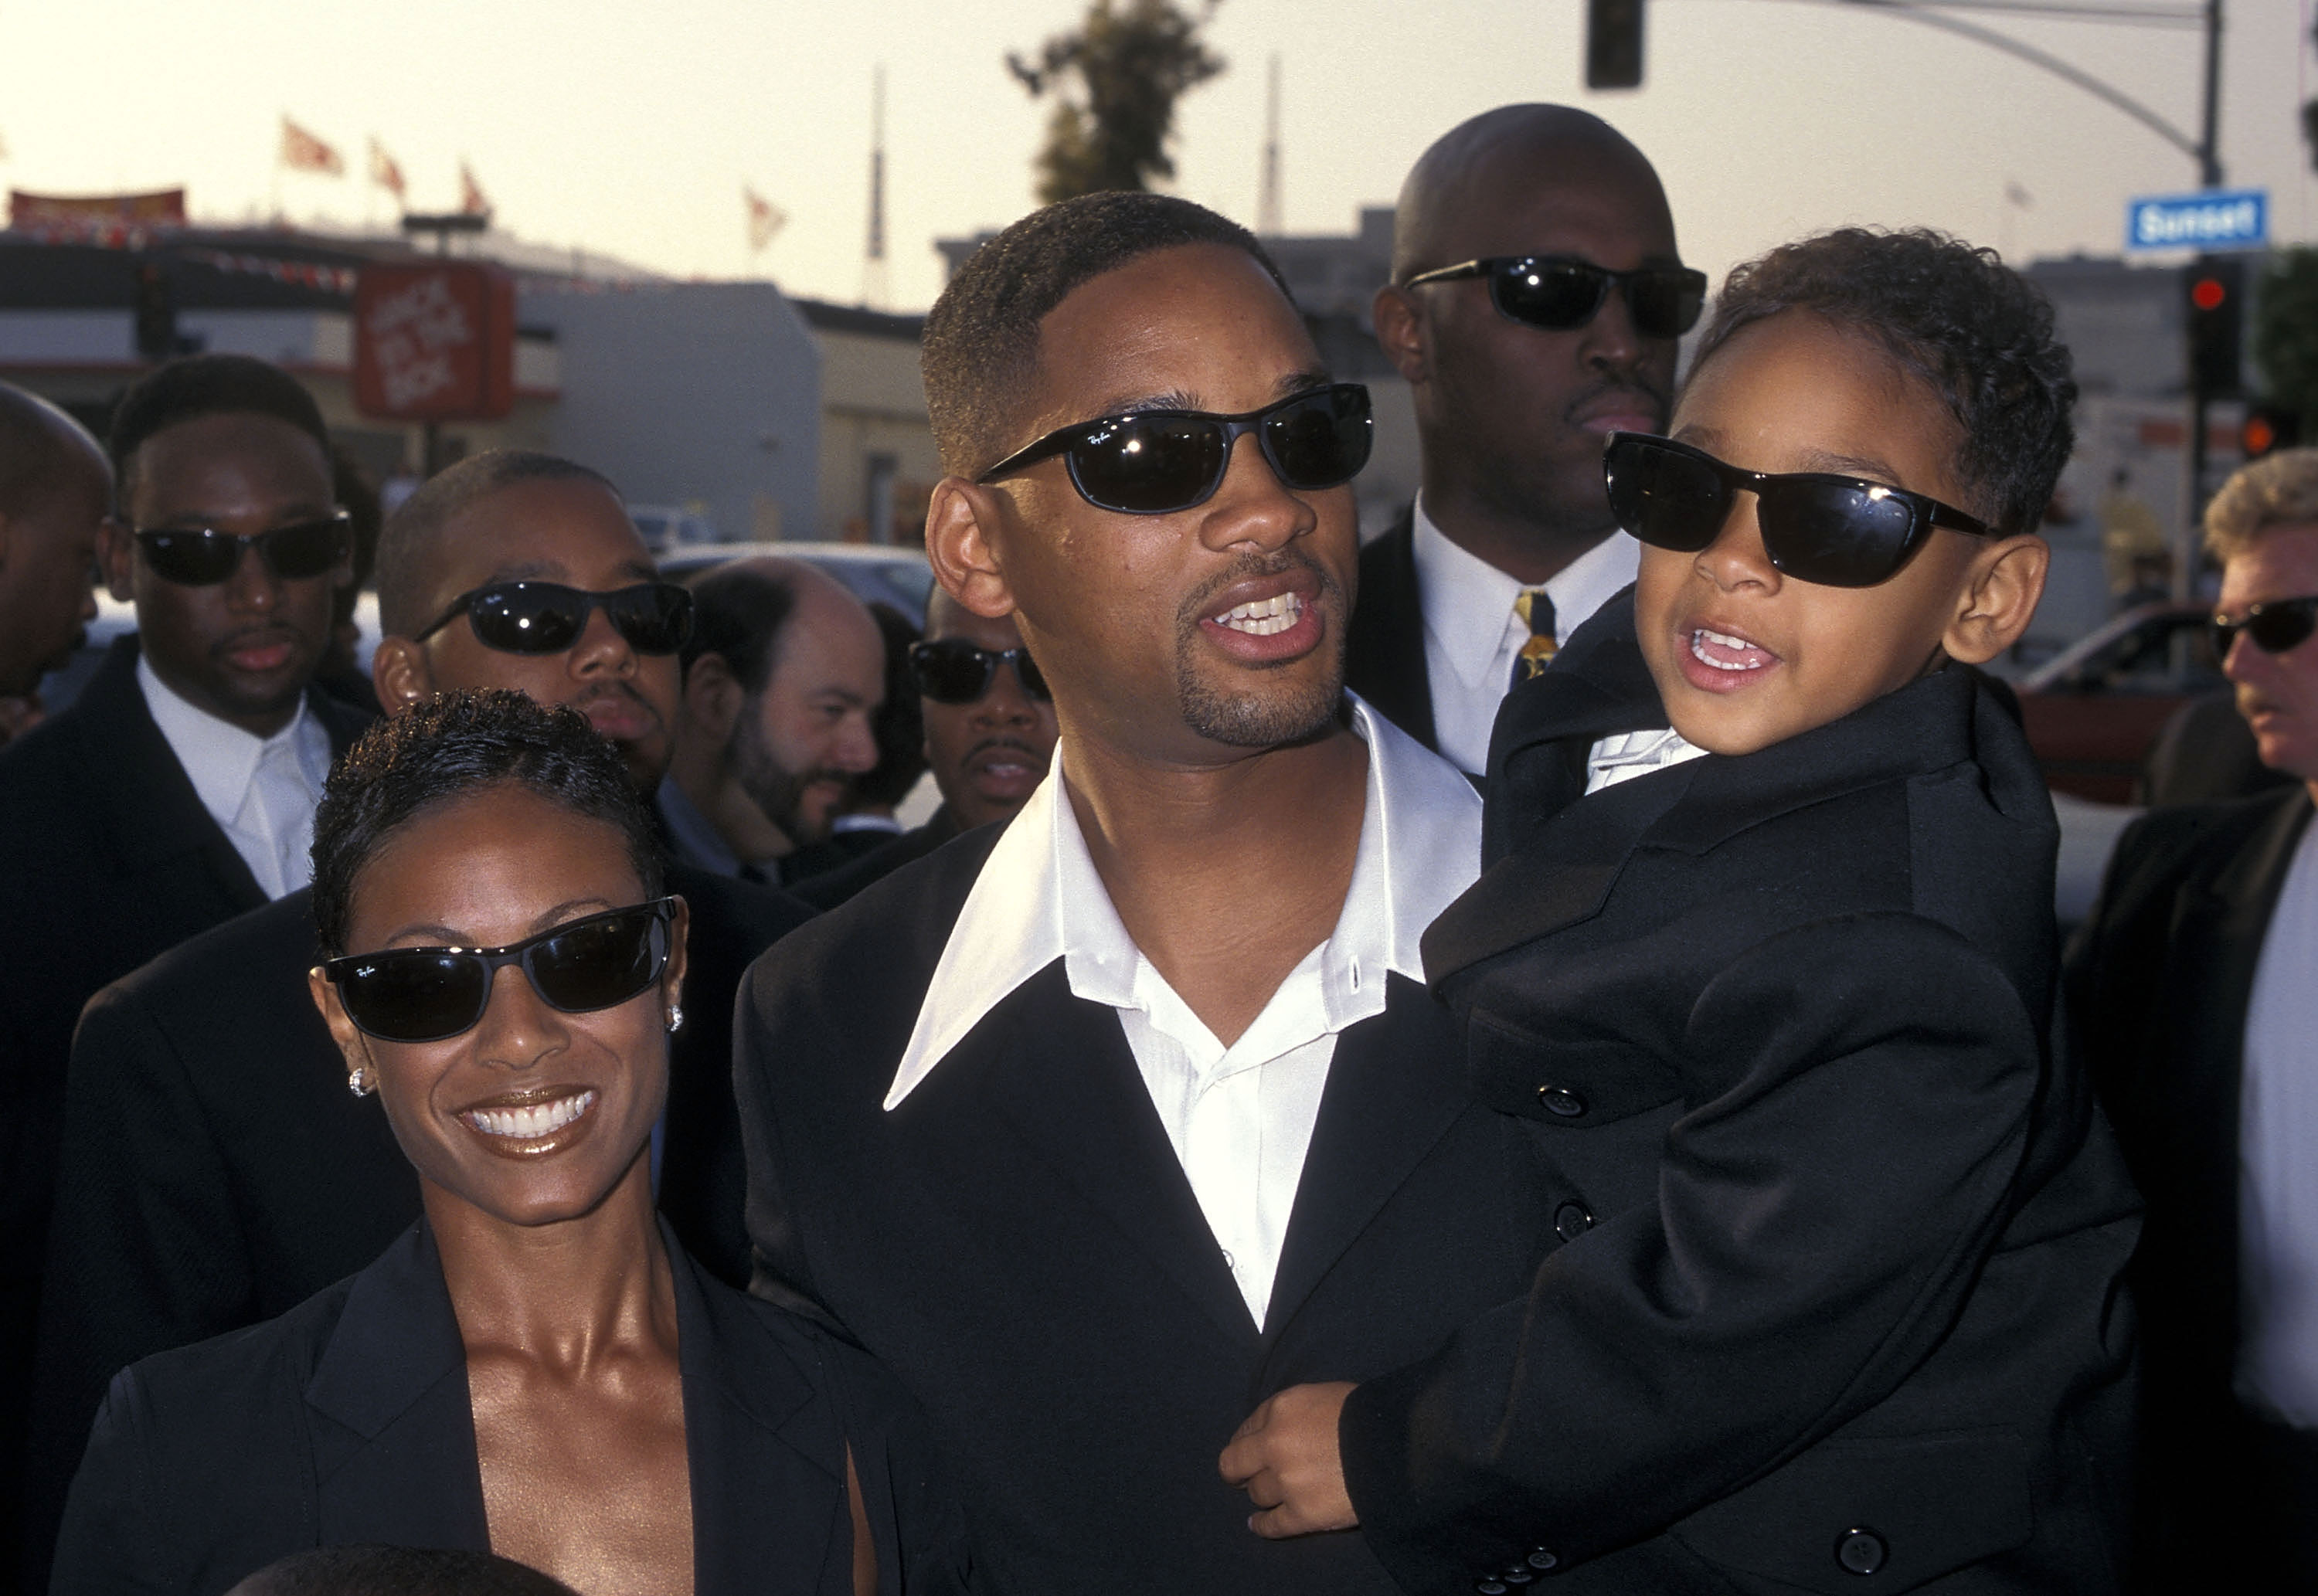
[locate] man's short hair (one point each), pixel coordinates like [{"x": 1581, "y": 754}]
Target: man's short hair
[
  {"x": 397, "y": 1570},
  {"x": 739, "y": 612},
  {"x": 981, "y": 346},
  {"x": 899, "y": 724},
  {"x": 1957, "y": 318},
  {"x": 35, "y": 437},
  {"x": 403, "y": 544},
  {"x": 202, "y": 385},
  {"x": 2276, "y": 491}
]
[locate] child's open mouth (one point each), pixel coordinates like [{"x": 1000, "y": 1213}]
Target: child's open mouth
[{"x": 1719, "y": 651}]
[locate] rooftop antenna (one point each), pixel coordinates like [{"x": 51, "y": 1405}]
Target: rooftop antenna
[
  {"x": 1267, "y": 200},
  {"x": 873, "y": 265}
]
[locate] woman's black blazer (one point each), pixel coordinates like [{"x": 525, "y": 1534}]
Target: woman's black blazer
[{"x": 346, "y": 1420}]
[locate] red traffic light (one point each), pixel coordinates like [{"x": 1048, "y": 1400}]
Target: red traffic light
[
  {"x": 2207, "y": 293},
  {"x": 2258, "y": 437}
]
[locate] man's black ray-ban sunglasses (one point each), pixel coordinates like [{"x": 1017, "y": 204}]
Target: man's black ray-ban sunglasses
[
  {"x": 203, "y": 556},
  {"x": 1561, "y": 294},
  {"x": 1837, "y": 532},
  {"x": 430, "y": 994},
  {"x": 1155, "y": 462},
  {"x": 952, "y": 670},
  {"x": 548, "y": 617},
  {"x": 2277, "y": 625}
]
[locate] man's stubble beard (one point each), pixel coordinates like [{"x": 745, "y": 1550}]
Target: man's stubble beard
[
  {"x": 1254, "y": 719},
  {"x": 772, "y": 786}
]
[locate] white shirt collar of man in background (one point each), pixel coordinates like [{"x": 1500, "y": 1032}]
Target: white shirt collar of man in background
[
  {"x": 261, "y": 789},
  {"x": 1240, "y": 1117},
  {"x": 1471, "y": 632}
]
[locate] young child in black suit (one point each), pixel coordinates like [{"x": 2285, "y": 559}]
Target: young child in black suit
[{"x": 1764, "y": 952}]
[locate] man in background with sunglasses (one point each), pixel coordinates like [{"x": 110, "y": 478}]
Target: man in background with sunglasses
[
  {"x": 2192, "y": 985},
  {"x": 989, "y": 737},
  {"x": 783, "y": 681},
  {"x": 1534, "y": 308},
  {"x": 56, "y": 489},
  {"x": 178, "y": 790},
  {"x": 1097, "y": 1126},
  {"x": 215, "y": 1171}
]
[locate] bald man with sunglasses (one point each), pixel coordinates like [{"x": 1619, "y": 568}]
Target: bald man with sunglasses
[{"x": 1536, "y": 302}]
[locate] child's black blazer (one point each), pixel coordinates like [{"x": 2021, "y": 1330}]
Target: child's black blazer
[{"x": 1836, "y": 1302}]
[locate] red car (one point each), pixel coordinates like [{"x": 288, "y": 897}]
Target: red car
[{"x": 2093, "y": 711}]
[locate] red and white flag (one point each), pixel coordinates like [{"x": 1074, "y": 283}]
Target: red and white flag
[
  {"x": 764, "y": 218},
  {"x": 302, "y": 152},
  {"x": 385, "y": 171},
  {"x": 470, "y": 192}
]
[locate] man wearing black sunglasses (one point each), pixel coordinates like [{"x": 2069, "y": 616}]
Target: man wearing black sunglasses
[
  {"x": 178, "y": 790},
  {"x": 2190, "y": 982},
  {"x": 1535, "y": 304},
  {"x": 214, "y": 1172}
]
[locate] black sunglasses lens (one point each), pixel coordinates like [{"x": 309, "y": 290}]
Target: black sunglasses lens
[
  {"x": 1834, "y": 535},
  {"x": 951, "y": 671},
  {"x": 1665, "y": 304},
  {"x": 414, "y": 995},
  {"x": 597, "y": 963},
  {"x": 1320, "y": 441},
  {"x": 190, "y": 559},
  {"x": 655, "y": 618},
  {"x": 309, "y": 549},
  {"x": 2276, "y": 628},
  {"x": 1148, "y": 465},
  {"x": 1555, "y": 295},
  {"x": 528, "y": 617},
  {"x": 1667, "y": 498}
]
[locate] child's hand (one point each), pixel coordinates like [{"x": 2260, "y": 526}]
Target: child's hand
[{"x": 1285, "y": 1459}]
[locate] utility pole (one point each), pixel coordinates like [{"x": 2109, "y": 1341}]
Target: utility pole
[
  {"x": 873, "y": 260},
  {"x": 2209, "y": 176},
  {"x": 1268, "y": 223}
]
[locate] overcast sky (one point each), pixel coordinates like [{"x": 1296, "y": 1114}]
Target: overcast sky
[{"x": 630, "y": 128}]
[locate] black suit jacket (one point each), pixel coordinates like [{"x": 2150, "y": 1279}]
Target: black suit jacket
[
  {"x": 346, "y": 1421},
  {"x": 109, "y": 859},
  {"x": 1847, "y": 1250},
  {"x": 216, "y": 1172},
  {"x": 826, "y": 891},
  {"x": 1018, "y": 1243},
  {"x": 1384, "y": 647},
  {"x": 2159, "y": 978}
]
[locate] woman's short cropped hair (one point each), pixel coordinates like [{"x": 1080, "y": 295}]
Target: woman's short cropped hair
[
  {"x": 1958, "y": 319},
  {"x": 2277, "y": 490},
  {"x": 453, "y": 746}
]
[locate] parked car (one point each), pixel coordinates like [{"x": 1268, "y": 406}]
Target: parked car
[
  {"x": 666, "y": 527},
  {"x": 2093, "y": 711},
  {"x": 875, "y": 573}
]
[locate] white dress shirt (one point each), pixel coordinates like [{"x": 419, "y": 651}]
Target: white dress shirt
[
  {"x": 1239, "y": 1118},
  {"x": 261, "y": 790},
  {"x": 1471, "y": 632},
  {"x": 2278, "y": 1184},
  {"x": 1630, "y": 754}
]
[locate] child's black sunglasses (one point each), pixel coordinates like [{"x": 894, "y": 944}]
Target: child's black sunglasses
[
  {"x": 429, "y": 994},
  {"x": 952, "y": 670},
  {"x": 1155, "y": 462},
  {"x": 1837, "y": 532},
  {"x": 1561, "y": 294},
  {"x": 203, "y": 556},
  {"x": 2277, "y": 625},
  {"x": 548, "y": 618}
]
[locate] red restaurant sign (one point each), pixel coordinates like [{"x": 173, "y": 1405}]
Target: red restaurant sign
[{"x": 434, "y": 342}]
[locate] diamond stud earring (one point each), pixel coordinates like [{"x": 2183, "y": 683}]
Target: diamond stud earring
[{"x": 358, "y": 1080}]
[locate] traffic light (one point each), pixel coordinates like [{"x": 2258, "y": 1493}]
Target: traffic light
[
  {"x": 2268, "y": 426},
  {"x": 1614, "y": 44},
  {"x": 156, "y": 312},
  {"x": 2215, "y": 291}
]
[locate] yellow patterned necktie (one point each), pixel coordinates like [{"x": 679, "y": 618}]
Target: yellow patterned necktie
[{"x": 1536, "y": 611}]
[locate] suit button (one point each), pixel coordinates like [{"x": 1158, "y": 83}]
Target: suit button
[
  {"x": 1489, "y": 1587},
  {"x": 1561, "y": 1102},
  {"x": 1861, "y": 1551},
  {"x": 1541, "y": 1560},
  {"x": 1571, "y": 1221},
  {"x": 1518, "y": 1574}
]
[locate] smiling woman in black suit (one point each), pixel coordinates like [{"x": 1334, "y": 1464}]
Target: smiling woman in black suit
[{"x": 537, "y": 1368}]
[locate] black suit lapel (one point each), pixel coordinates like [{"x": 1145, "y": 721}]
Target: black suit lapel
[
  {"x": 1384, "y": 654},
  {"x": 1063, "y": 1076},
  {"x": 1394, "y": 1087}
]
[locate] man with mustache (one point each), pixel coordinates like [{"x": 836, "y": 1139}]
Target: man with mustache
[
  {"x": 1100, "y": 1127},
  {"x": 1535, "y": 304},
  {"x": 178, "y": 790},
  {"x": 782, "y": 683},
  {"x": 989, "y": 732},
  {"x": 215, "y": 1171}
]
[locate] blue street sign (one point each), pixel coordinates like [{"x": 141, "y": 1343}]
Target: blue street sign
[{"x": 2217, "y": 219}]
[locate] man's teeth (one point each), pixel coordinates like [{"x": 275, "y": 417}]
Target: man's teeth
[
  {"x": 1703, "y": 642},
  {"x": 1264, "y": 618},
  {"x": 532, "y": 1119}
]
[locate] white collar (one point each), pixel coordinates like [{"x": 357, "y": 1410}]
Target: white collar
[
  {"x": 218, "y": 757},
  {"x": 1039, "y": 898},
  {"x": 1468, "y": 603}
]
